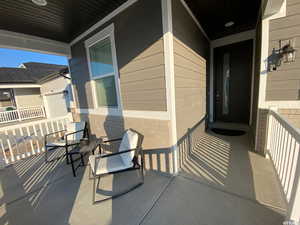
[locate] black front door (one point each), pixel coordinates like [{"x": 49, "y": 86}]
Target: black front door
[{"x": 232, "y": 75}]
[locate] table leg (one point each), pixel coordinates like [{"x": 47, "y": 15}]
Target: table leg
[
  {"x": 82, "y": 160},
  {"x": 67, "y": 155},
  {"x": 72, "y": 164}
]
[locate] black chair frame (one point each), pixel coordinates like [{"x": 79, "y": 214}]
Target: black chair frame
[
  {"x": 66, "y": 146},
  {"x": 136, "y": 166}
]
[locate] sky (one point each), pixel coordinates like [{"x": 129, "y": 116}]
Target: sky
[{"x": 13, "y": 58}]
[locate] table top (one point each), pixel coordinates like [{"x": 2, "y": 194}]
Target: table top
[{"x": 86, "y": 146}]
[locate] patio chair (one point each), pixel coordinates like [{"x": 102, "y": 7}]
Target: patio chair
[
  {"x": 126, "y": 159},
  {"x": 73, "y": 135}
]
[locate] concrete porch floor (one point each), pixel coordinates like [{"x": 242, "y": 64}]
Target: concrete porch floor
[{"x": 221, "y": 182}]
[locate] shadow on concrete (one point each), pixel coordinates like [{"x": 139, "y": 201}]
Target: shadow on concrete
[{"x": 228, "y": 163}]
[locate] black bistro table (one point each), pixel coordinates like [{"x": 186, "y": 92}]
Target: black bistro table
[{"x": 84, "y": 148}]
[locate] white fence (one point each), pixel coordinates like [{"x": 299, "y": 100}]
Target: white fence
[
  {"x": 20, "y": 114},
  {"x": 21, "y": 141},
  {"x": 283, "y": 143}
]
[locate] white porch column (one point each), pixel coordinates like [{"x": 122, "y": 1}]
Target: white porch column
[{"x": 170, "y": 76}]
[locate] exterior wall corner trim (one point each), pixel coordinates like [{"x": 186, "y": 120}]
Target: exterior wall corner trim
[{"x": 170, "y": 74}]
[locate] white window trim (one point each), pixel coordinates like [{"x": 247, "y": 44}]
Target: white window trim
[
  {"x": 106, "y": 32},
  {"x": 156, "y": 115}
]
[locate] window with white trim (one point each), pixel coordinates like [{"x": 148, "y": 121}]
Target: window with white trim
[{"x": 103, "y": 68}]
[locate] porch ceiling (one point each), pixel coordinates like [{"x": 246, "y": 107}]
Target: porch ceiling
[
  {"x": 58, "y": 20},
  {"x": 213, "y": 14},
  {"x": 64, "y": 20}
]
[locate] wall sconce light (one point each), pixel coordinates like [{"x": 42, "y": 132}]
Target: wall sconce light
[
  {"x": 285, "y": 54},
  {"x": 288, "y": 52}
]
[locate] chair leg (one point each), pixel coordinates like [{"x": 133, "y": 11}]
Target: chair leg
[
  {"x": 82, "y": 160},
  {"x": 72, "y": 164},
  {"x": 90, "y": 177},
  {"x": 142, "y": 174},
  {"x": 95, "y": 187},
  {"x": 118, "y": 194},
  {"x": 46, "y": 155},
  {"x": 98, "y": 182},
  {"x": 67, "y": 155},
  {"x": 94, "y": 190}
]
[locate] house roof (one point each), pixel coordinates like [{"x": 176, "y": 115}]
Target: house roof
[{"x": 31, "y": 72}]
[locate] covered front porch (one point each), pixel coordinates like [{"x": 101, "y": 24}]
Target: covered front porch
[{"x": 221, "y": 182}]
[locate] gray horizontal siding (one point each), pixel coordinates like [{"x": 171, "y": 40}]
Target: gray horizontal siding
[
  {"x": 139, "y": 47},
  {"x": 143, "y": 85},
  {"x": 190, "y": 87},
  {"x": 191, "y": 51},
  {"x": 284, "y": 84}
]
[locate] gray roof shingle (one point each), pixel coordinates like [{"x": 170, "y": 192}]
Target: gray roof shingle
[{"x": 32, "y": 72}]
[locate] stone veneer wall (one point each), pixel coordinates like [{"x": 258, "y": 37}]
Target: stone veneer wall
[
  {"x": 261, "y": 131},
  {"x": 156, "y": 145}
]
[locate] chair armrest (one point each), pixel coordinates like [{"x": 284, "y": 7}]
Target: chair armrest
[
  {"x": 112, "y": 140},
  {"x": 116, "y": 153},
  {"x": 71, "y": 133},
  {"x": 54, "y": 133},
  {"x": 50, "y": 134},
  {"x": 97, "y": 158},
  {"x": 108, "y": 144}
]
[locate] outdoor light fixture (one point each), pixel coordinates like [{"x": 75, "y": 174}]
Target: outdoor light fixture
[
  {"x": 40, "y": 2},
  {"x": 288, "y": 53},
  {"x": 286, "y": 50},
  {"x": 285, "y": 54},
  {"x": 291, "y": 222},
  {"x": 229, "y": 24}
]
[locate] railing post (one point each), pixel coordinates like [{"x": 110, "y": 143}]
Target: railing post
[
  {"x": 36, "y": 139},
  {"x": 2, "y": 162},
  {"x": 3, "y": 151},
  {"x": 16, "y": 145},
  {"x": 19, "y": 114},
  {"x": 31, "y": 142},
  {"x": 12, "y": 156},
  {"x": 267, "y": 135},
  {"x": 43, "y": 111},
  {"x": 293, "y": 212},
  {"x": 189, "y": 140}
]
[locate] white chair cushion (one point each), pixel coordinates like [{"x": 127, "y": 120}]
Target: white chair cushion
[
  {"x": 73, "y": 127},
  {"x": 107, "y": 164},
  {"x": 129, "y": 141}
]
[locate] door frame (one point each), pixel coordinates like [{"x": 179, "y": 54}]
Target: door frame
[{"x": 231, "y": 39}]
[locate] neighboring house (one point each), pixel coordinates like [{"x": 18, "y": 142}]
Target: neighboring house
[{"x": 36, "y": 88}]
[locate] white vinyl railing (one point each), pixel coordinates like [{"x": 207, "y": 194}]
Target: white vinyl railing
[
  {"x": 27, "y": 139},
  {"x": 21, "y": 114},
  {"x": 283, "y": 143}
]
